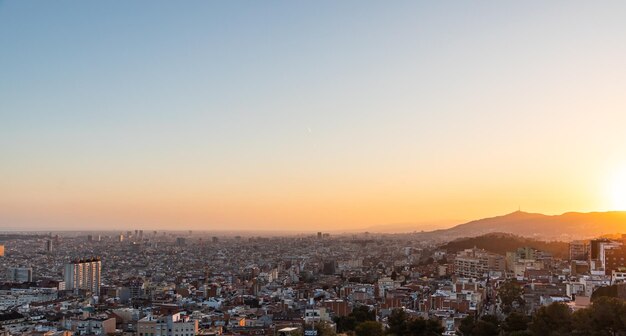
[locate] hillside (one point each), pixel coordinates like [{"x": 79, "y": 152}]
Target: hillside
[
  {"x": 501, "y": 243},
  {"x": 565, "y": 227}
]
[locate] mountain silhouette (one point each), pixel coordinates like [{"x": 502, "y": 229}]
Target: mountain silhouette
[{"x": 568, "y": 226}]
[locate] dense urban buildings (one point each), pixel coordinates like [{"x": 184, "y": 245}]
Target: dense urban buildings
[{"x": 191, "y": 283}]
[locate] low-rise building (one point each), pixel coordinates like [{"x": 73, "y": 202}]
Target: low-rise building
[{"x": 167, "y": 325}]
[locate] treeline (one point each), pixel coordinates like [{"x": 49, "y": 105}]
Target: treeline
[
  {"x": 605, "y": 317},
  {"x": 501, "y": 243},
  {"x": 362, "y": 322},
  {"x": 361, "y": 317}
]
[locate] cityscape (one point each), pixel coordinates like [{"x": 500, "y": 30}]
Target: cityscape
[
  {"x": 188, "y": 283},
  {"x": 312, "y": 168}
]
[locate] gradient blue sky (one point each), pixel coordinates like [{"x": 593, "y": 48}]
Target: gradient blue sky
[{"x": 307, "y": 115}]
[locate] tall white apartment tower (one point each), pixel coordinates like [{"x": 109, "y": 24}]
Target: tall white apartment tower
[{"x": 83, "y": 274}]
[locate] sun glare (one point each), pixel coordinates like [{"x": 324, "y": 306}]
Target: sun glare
[{"x": 618, "y": 191}]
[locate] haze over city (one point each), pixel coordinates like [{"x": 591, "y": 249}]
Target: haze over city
[
  {"x": 312, "y": 168},
  {"x": 307, "y": 115}
]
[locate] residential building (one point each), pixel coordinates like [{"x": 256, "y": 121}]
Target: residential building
[
  {"x": 477, "y": 263},
  {"x": 83, "y": 274},
  {"x": 167, "y": 325},
  {"x": 578, "y": 250},
  {"x": 94, "y": 326},
  {"x": 20, "y": 274}
]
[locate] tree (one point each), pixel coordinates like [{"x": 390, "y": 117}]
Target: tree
[
  {"x": 358, "y": 315},
  {"x": 397, "y": 321},
  {"x": 324, "y": 329},
  {"x": 606, "y": 316},
  {"x": 552, "y": 320},
  {"x": 582, "y": 323},
  {"x": 369, "y": 328},
  {"x": 467, "y": 325},
  {"x": 423, "y": 327},
  {"x": 510, "y": 296},
  {"x": 521, "y": 333},
  {"x": 609, "y": 314},
  {"x": 515, "y": 322},
  {"x": 486, "y": 328},
  {"x": 400, "y": 324},
  {"x": 363, "y": 313},
  {"x": 488, "y": 325},
  {"x": 345, "y": 323}
]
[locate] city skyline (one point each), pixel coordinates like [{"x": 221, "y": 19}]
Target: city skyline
[{"x": 307, "y": 116}]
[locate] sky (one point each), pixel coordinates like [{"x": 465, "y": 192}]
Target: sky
[{"x": 318, "y": 115}]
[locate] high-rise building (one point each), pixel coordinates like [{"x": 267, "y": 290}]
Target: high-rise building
[
  {"x": 597, "y": 254},
  {"x": 1, "y": 250},
  {"x": 329, "y": 267},
  {"x": 20, "y": 274},
  {"x": 615, "y": 260},
  {"x": 48, "y": 245},
  {"x": 578, "y": 250},
  {"x": 83, "y": 274}
]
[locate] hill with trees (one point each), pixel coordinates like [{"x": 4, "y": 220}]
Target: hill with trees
[
  {"x": 501, "y": 243},
  {"x": 565, "y": 227}
]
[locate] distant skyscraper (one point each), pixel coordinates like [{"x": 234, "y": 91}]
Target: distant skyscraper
[
  {"x": 48, "y": 245},
  {"x": 83, "y": 274},
  {"x": 330, "y": 267},
  {"x": 20, "y": 274},
  {"x": 1, "y": 250}
]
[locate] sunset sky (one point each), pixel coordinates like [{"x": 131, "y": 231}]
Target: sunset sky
[{"x": 320, "y": 115}]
